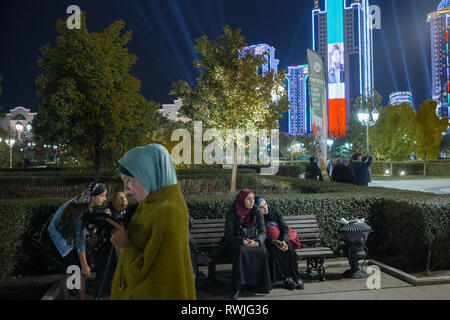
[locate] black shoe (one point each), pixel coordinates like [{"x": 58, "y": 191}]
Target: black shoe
[
  {"x": 290, "y": 284},
  {"x": 300, "y": 284},
  {"x": 235, "y": 294}
]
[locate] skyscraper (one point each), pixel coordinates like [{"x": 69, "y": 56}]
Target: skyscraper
[
  {"x": 343, "y": 36},
  {"x": 438, "y": 26},
  {"x": 262, "y": 48},
  {"x": 400, "y": 97},
  {"x": 299, "y": 117}
]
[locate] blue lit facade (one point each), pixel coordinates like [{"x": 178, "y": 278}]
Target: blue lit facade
[
  {"x": 346, "y": 26},
  {"x": 299, "y": 117},
  {"x": 397, "y": 98},
  {"x": 438, "y": 27},
  {"x": 260, "y": 49}
]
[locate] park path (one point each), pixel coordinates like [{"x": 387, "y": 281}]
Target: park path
[{"x": 437, "y": 186}]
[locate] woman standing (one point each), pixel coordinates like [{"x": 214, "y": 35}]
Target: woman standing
[
  {"x": 68, "y": 233},
  {"x": 245, "y": 234},
  {"x": 283, "y": 263},
  {"x": 154, "y": 262}
]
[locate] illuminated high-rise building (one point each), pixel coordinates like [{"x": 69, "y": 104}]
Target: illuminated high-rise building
[
  {"x": 262, "y": 48},
  {"x": 438, "y": 27},
  {"x": 342, "y": 34},
  {"x": 400, "y": 97},
  {"x": 299, "y": 117}
]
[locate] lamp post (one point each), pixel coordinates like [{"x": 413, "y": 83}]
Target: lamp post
[
  {"x": 10, "y": 143},
  {"x": 368, "y": 119},
  {"x": 19, "y": 128}
]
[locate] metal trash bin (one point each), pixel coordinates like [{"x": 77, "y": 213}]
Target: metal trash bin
[{"x": 355, "y": 234}]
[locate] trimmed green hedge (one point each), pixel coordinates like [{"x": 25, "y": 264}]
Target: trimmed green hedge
[
  {"x": 406, "y": 224},
  {"x": 412, "y": 168}
]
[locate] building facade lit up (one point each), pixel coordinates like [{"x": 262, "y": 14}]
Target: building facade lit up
[
  {"x": 299, "y": 117},
  {"x": 343, "y": 36},
  {"x": 400, "y": 97},
  {"x": 438, "y": 26},
  {"x": 262, "y": 48}
]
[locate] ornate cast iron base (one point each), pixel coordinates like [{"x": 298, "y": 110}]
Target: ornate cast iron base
[{"x": 315, "y": 266}]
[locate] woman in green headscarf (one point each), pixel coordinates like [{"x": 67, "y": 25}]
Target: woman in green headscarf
[{"x": 154, "y": 260}]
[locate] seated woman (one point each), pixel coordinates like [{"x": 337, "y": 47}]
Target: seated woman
[
  {"x": 245, "y": 234},
  {"x": 283, "y": 263}
]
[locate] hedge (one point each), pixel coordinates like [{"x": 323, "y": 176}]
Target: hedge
[
  {"x": 412, "y": 168},
  {"x": 406, "y": 224}
]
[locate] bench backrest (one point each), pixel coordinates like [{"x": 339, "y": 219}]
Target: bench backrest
[{"x": 208, "y": 232}]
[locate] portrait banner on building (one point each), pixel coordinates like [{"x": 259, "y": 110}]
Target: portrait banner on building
[{"x": 318, "y": 103}]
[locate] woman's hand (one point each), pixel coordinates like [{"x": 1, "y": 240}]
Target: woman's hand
[
  {"x": 251, "y": 243},
  {"x": 119, "y": 237},
  {"x": 85, "y": 270},
  {"x": 281, "y": 245}
]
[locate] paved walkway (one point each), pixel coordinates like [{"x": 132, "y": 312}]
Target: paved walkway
[
  {"x": 334, "y": 288},
  {"x": 438, "y": 186}
]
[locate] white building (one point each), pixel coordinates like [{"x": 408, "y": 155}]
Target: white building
[
  {"x": 170, "y": 111},
  {"x": 18, "y": 121}
]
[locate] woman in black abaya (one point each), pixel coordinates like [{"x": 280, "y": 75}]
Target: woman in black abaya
[
  {"x": 245, "y": 234},
  {"x": 283, "y": 263}
]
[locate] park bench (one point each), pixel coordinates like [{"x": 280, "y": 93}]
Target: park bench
[{"x": 208, "y": 232}]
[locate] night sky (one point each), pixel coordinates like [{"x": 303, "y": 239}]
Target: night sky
[{"x": 164, "y": 33}]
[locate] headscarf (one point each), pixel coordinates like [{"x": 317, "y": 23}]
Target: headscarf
[
  {"x": 91, "y": 190},
  {"x": 151, "y": 166},
  {"x": 241, "y": 210},
  {"x": 258, "y": 201}
]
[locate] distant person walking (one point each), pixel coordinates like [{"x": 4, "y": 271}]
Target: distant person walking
[
  {"x": 341, "y": 173},
  {"x": 312, "y": 170},
  {"x": 361, "y": 169}
]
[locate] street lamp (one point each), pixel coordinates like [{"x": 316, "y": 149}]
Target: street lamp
[
  {"x": 10, "y": 143},
  {"x": 19, "y": 128},
  {"x": 368, "y": 119}
]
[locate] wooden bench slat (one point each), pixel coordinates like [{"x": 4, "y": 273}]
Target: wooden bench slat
[
  {"x": 300, "y": 217},
  {"x": 313, "y": 249},
  {"x": 208, "y": 240}
]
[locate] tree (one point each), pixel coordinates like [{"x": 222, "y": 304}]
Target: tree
[
  {"x": 445, "y": 145},
  {"x": 292, "y": 146},
  {"x": 429, "y": 132},
  {"x": 341, "y": 148},
  {"x": 91, "y": 104},
  {"x": 394, "y": 133},
  {"x": 1, "y": 80},
  {"x": 230, "y": 93},
  {"x": 357, "y": 132}
]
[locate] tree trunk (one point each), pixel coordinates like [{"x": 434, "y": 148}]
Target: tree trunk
[
  {"x": 97, "y": 165},
  {"x": 391, "y": 172},
  {"x": 234, "y": 172},
  {"x": 425, "y": 165}
]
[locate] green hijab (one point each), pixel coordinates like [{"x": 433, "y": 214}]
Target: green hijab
[{"x": 150, "y": 165}]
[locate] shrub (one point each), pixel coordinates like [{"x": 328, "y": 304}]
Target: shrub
[
  {"x": 13, "y": 226},
  {"x": 412, "y": 168},
  {"x": 406, "y": 224}
]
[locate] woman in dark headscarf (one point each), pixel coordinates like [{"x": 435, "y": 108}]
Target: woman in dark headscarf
[
  {"x": 68, "y": 232},
  {"x": 245, "y": 234},
  {"x": 283, "y": 263}
]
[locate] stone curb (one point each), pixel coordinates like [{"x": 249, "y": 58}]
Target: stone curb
[
  {"x": 53, "y": 292},
  {"x": 415, "y": 281}
]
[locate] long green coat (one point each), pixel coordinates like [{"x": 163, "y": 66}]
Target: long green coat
[{"x": 156, "y": 265}]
